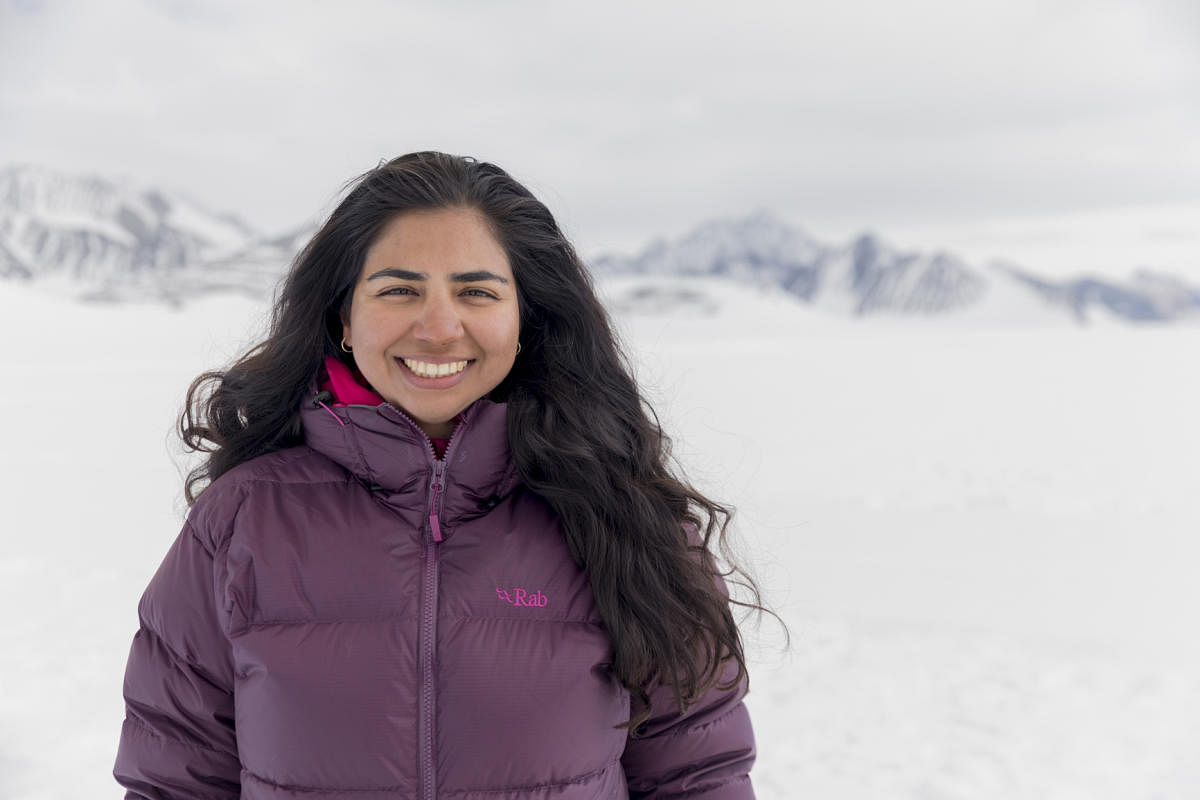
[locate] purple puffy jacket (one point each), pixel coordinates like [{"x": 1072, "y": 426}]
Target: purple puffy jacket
[{"x": 353, "y": 619}]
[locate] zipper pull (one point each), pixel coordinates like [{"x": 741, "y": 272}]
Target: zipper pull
[{"x": 435, "y": 524}]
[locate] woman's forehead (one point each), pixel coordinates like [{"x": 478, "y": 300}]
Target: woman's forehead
[{"x": 437, "y": 242}]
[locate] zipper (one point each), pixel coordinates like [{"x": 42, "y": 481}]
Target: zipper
[
  {"x": 427, "y": 738},
  {"x": 427, "y": 713}
]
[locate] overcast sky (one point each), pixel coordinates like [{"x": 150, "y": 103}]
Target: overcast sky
[{"x": 1062, "y": 133}]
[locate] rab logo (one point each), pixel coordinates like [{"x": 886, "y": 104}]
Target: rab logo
[{"x": 520, "y": 597}]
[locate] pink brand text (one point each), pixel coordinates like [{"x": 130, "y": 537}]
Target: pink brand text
[{"x": 520, "y": 597}]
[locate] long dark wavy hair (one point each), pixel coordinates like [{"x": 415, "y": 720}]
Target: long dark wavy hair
[{"x": 581, "y": 434}]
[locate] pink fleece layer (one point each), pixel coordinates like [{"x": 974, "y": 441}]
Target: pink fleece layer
[{"x": 347, "y": 391}]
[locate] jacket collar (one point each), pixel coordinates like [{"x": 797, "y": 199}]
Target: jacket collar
[{"x": 386, "y": 450}]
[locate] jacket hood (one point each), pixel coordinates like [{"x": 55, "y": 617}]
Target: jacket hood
[{"x": 385, "y": 449}]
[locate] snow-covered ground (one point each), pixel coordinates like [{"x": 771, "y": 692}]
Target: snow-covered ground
[{"x": 982, "y": 537}]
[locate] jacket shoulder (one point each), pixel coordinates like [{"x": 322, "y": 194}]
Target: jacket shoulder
[{"x": 217, "y": 507}]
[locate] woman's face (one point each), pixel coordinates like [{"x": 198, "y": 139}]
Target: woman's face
[{"x": 433, "y": 320}]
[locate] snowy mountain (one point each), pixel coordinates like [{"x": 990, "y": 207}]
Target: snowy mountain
[
  {"x": 869, "y": 276},
  {"x": 1149, "y": 296},
  {"x": 863, "y": 277},
  {"x": 89, "y": 227},
  {"x": 109, "y": 240},
  {"x": 102, "y": 240}
]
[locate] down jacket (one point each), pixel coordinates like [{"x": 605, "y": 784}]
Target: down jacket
[{"x": 354, "y": 619}]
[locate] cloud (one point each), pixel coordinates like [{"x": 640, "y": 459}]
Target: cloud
[
  {"x": 27, "y": 6},
  {"x": 635, "y": 118}
]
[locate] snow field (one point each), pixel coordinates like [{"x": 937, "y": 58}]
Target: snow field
[{"x": 981, "y": 538}]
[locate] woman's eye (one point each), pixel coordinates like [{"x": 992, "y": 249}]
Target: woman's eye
[
  {"x": 478, "y": 293},
  {"x": 397, "y": 290}
]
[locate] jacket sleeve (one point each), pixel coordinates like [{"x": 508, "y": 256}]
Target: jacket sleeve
[
  {"x": 706, "y": 752},
  {"x": 178, "y": 737}
]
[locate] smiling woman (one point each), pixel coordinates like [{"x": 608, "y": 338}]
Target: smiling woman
[{"x": 435, "y": 549}]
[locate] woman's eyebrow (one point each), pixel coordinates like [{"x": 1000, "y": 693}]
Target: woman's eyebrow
[
  {"x": 457, "y": 277},
  {"x": 477, "y": 276},
  {"x": 402, "y": 274}
]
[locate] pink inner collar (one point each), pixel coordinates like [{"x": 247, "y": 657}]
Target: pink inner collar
[{"x": 346, "y": 389}]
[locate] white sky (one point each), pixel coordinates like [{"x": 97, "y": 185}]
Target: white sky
[{"x": 1062, "y": 133}]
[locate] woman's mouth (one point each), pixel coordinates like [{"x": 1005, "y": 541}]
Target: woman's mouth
[{"x": 428, "y": 369}]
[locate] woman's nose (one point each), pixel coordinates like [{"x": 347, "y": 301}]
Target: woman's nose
[{"x": 439, "y": 322}]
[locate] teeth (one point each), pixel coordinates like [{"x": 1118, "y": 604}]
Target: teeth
[{"x": 427, "y": 370}]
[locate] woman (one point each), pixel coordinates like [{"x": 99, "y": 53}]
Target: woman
[{"x": 438, "y": 551}]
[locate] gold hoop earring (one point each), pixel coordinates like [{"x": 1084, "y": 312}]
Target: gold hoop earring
[
  {"x": 518, "y": 348},
  {"x": 346, "y": 349}
]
